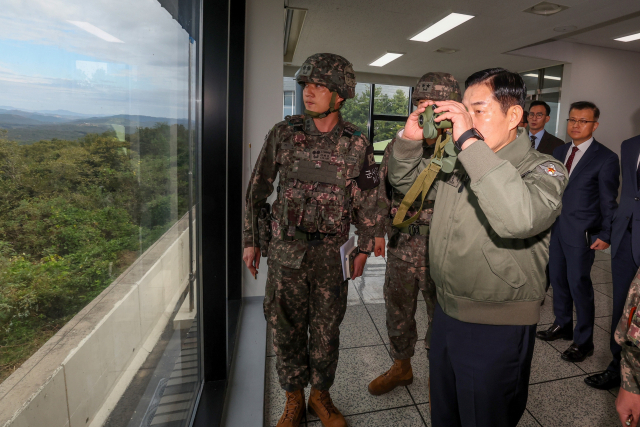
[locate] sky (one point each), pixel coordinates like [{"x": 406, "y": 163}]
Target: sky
[{"x": 49, "y": 63}]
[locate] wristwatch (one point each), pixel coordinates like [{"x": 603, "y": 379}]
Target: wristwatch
[
  {"x": 471, "y": 133},
  {"x": 360, "y": 251}
]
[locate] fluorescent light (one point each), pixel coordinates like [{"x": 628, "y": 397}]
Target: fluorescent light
[
  {"x": 89, "y": 28},
  {"x": 630, "y": 38},
  {"x": 385, "y": 59},
  {"x": 441, "y": 27},
  {"x": 546, "y": 77}
]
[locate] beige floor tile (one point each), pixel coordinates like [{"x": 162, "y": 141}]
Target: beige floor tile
[
  {"x": 357, "y": 328},
  {"x": 547, "y": 364},
  {"x": 400, "y": 417}
]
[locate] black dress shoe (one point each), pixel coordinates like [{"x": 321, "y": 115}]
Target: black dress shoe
[
  {"x": 604, "y": 381},
  {"x": 556, "y": 332},
  {"x": 576, "y": 353}
]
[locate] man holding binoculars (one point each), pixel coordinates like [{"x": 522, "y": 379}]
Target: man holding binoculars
[
  {"x": 408, "y": 256},
  {"x": 488, "y": 247}
]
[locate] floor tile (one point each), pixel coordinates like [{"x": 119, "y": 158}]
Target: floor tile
[
  {"x": 601, "y": 353},
  {"x": 603, "y": 256},
  {"x": 599, "y": 275},
  {"x": 356, "y": 369},
  {"x": 379, "y": 316},
  {"x": 426, "y": 413},
  {"x": 546, "y": 312},
  {"x": 527, "y": 420},
  {"x": 604, "y": 288},
  {"x": 604, "y": 304},
  {"x": 571, "y": 403},
  {"x": 370, "y": 288},
  {"x": 376, "y": 260},
  {"x": 408, "y": 416},
  {"x": 420, "y": 364},
  {"x": 353, "y": 297},
  {"x": 274, "y": 397},
  {"x": 357, "y": 328},
  {"x": 547, "y": 364},
  {"x": 604, "y": 323},
  {"x": 603, "y": 264}
]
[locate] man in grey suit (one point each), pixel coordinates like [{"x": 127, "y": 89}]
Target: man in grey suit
[{"x": 541, "y": 140}]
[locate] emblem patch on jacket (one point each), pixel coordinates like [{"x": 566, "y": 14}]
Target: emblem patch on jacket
[
  {"x": 550, "y": 169},
  {"x": 369, "y": 175}
]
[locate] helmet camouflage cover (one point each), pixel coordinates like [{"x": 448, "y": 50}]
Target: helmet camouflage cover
[
  {"x": 436, "y": 87},
  {"x": 330, "y": 70}
]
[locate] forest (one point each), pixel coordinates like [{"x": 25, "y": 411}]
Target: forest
[{"x": 73, "y": 216}]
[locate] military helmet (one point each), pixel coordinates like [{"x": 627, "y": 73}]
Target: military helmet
[
  {"x": 436, "y": 87},
  {"x": 330, "y": 70}
]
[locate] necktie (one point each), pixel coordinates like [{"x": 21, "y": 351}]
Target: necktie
[
  {"x": 533, "y": 141},
  {"x": 570, "y": 160}
]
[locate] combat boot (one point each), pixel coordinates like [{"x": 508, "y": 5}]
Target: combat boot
[
  {"x": 321, "y": 406},
  {"x": 293, "y": 410},
  {"x": 399, "y": 374}
]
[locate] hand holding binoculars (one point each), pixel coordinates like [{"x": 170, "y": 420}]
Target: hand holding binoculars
[{"x": 429, "y": 126}]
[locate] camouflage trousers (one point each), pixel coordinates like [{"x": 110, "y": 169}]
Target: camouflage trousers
[
  {"x": 402, "y": 282},
  {"x": 305, "y": 307}
]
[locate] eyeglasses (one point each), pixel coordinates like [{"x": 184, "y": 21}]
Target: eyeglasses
[
  {"x": 536, "y": 115},
  {"x": 581, "y": 122}
]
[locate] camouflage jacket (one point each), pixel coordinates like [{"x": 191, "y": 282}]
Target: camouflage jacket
[
  {"x": 412, "y": 249},
  {"x": 293, "y": 145},
  {"x": 628, "y": 337}
]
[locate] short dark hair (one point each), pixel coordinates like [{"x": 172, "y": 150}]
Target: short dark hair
[
  {"x": 544, "y": 104},
  {"x": 508, "y": 88},
  {"x": 524, "y": 117},
  {"x": 583, "y": 105}
]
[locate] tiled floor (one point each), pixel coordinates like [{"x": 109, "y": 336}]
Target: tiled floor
[{"x": 557, "y": 396}]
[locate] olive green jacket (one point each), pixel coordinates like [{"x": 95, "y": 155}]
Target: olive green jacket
[{"x": 489, "y": 242}]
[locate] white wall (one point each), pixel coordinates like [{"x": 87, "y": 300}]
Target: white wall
[
  {"x": 262, "y": 96},
  {"x": 607, "y": 77}
]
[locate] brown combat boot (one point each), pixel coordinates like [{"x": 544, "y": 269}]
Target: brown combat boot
[
  {"x": 321, "y": 406},
  {"x": 293, "y": 410},
  {"x": 399, "y": 374}
]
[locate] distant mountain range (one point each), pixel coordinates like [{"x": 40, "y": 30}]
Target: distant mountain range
[{"x": 32, "y": 126}]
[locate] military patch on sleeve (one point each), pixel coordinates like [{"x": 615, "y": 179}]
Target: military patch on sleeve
[
  {"x": 370, "y": 174},
  {"x": 550, "y": 169}
]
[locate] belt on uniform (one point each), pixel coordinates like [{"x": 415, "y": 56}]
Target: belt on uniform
[
  {"x": 309, "y": 237},
  {"x": 414, "y": 230}
]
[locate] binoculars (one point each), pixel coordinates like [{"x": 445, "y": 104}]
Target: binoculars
[{"x": 429, "y": 127}]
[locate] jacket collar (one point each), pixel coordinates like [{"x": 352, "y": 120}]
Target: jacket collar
[
  {"x": 333, "y": 135},
  {"x": 515, "y": 151}
]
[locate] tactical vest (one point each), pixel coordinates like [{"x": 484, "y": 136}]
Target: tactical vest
[
  {"x": 314, "y": 190},
  {"x": 427, "y": 208}
]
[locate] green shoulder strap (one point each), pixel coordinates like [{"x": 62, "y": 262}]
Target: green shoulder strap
[{"x": 421, "y": 185}]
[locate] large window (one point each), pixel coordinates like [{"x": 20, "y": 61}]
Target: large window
[{"x": 98, "y": 126}]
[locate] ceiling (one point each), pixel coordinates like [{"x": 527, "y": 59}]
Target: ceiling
[{"x": 364, "y": 30}]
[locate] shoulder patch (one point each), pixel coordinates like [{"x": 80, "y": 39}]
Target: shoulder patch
[
  {"x": 351, "y": 130},
  {"x": 370, "y": 174},
  {"x": 549, "y": 168}
]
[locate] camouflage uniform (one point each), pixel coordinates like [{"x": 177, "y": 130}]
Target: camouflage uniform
[
  {"x": 408, "y": 254},
  {"x": 327, "y": 181},
  {"x": 628, "y": 337}
]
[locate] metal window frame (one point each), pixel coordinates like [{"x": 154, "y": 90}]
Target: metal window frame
[{"x": 383, "y": 117}]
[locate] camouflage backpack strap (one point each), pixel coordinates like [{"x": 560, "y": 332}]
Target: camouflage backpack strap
[{"x": 424, "y": 181}]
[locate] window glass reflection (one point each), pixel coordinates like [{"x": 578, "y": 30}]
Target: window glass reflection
[{"x": 392, "y": 100}]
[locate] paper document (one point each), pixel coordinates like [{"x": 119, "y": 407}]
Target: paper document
[{"x": 345, "y": 252}]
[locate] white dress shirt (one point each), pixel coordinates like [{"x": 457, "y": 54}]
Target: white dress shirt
[
  {"x": 538, "y": 137},
  {"x": 582, "y": 148}
]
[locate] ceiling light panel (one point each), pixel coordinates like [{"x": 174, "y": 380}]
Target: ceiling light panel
[
  {"x": 385, "y": 59},
  {"x": 546, "y": 77},
  {"x": 442, "y": 26},
  {"x": 90, "y": 28},
  {"x": 630, "y": 38}
]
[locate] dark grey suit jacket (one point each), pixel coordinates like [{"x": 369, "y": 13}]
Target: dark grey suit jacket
[{"x": 548, "y": 143}]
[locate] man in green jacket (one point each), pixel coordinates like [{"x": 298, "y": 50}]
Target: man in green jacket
[{"x": 488, "y": 249}]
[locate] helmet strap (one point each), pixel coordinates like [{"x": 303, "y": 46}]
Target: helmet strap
[{"x": 316, "y": 115}]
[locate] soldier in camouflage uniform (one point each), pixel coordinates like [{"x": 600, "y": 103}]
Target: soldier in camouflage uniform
[
  {"x": 628, "y": 337},
  {"x": 408, "y": 254},
  {"x": 328, "y": 179}
]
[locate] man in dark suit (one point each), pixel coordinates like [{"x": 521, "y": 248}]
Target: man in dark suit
[
  {"x": 541, "y": 140},
  {"x": 584, "y": 226},
  {"x": 625, "y": 254}
]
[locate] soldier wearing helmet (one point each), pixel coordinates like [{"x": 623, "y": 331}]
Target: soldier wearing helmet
[
  {"x": 328, "y": 179},
  {"x": 408, "y": 255}
]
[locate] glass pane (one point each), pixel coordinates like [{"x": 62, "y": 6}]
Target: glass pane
[
  {"x": 289, "y": 103},
  {"x": 392, "y": 100},
  {"x": 101, "y": 136},
  {"x": 530, "y": 80},
  {"x": 553, "y": 77},
  {"x": 356, "y": 110},
  {"x": 385, "y": 131}
]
